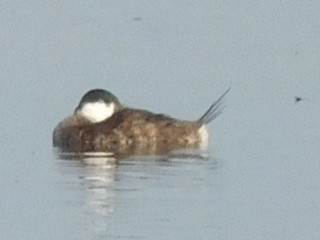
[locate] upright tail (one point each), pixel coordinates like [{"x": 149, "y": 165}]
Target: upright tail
[{"x": 214, "y": 110}]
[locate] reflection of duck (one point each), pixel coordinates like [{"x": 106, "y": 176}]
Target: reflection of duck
[
  {"x": 90, "y": 179},
  {"x": 102, "y": 123}
]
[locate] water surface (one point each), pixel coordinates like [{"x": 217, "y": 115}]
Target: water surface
[{"x": 261, "y": 177}]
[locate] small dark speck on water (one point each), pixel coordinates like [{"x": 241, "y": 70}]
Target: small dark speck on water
[
  {"x": 298, "y": 99},
  {"x": 137, "y": 19}
]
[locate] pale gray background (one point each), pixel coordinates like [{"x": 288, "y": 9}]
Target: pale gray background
[{"x": 262, "y": 180}]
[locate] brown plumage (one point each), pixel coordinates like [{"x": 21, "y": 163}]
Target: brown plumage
[
  {"x": 128, "y": 130},
  {"x": 133, "y": 131}
]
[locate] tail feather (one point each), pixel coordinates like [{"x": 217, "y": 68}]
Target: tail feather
[{"x": 214, "y": 110}]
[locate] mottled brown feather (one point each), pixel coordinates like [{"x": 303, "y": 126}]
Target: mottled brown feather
[{"x": 128, "y": 130}]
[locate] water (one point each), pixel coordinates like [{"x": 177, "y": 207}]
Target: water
[{"x": 261, "y": 177}]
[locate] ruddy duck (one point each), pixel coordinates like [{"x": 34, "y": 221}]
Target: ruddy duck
[{"x": 100, "y": 123}]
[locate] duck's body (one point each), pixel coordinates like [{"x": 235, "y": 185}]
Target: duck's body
[{"x": 131, "y": 130}]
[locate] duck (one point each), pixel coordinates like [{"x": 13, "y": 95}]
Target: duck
[{"x": 101, "y": 123}]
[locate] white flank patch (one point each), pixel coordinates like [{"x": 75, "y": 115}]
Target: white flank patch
[
  {"x": 97, "y": 111},
  {"x": 204, "y": 136}
]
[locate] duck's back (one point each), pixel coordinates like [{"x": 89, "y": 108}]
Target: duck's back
[{"x": 132, "y": 129}]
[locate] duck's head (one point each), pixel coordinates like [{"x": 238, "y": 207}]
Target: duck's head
[{"x": 97, "y": 105}]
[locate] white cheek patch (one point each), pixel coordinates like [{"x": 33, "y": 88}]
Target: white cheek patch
[{"x": 97, "y": 111}]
